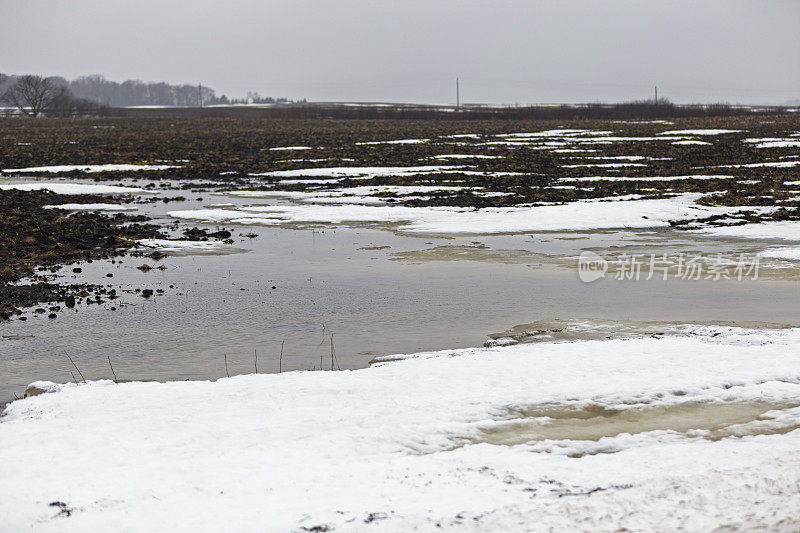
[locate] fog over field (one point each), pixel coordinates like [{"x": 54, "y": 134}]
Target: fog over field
[{"x": 509, "y": 51}]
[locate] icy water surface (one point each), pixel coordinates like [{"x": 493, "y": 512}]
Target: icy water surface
[{"x": 373, "y": 291}]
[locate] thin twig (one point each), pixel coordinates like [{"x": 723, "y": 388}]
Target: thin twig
[
  {"x": 73, "y": 376},
  {"x": 333, "y": 355},
  {"x": 280, "y": 358},
  {"x": 112, "y": 370},
  {"x": 76, "y": 367},
  {"x": 324, "y": 324},
  {"x": 255, "y": 363},
  {"x": 226, "y": 365}
]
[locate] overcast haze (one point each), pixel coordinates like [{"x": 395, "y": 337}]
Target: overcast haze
[{"x": 412, "y": 50}]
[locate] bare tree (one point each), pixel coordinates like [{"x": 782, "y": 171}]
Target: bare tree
[{"x": 32, "y": 94}]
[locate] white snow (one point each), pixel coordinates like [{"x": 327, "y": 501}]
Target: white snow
[
  {"x": 783, "y": 230},
  {"x": 605, "y": 165},
  {"x": 792, "y": 253},
  {"x": 189, "y": 247},
  {"x": 775, "y": 164},
  {"x": 295, "y": 182},
  {"x": 337, "y": 172},
  {"x": 698, "y": 132},
  {"x": 291, "y": 148},
  {"x": 90, "y": 168},
  {"x": 466, "y": 156},
  {"x": 609, "y": 140},
  {"x": 642, "y": 122},
  {"x": 92, "y": 207},
  {"x": 686, "y": 143},
  {"x": 556, "y": 134},
  {"x": 779, "y": 144},
  {"x": 399, "y": 141},
  {"x": 74, "y": 188},
  {"x": 363, "y": 190},
  {"x": 649, "y": 178},
  {"x": 693, "y": 432},
  {"x": 620, "y": 157},
  {"x": 353, "y": 195},
  {"x": 575, "y": 216},
  {"x": 772, "y": 142}
]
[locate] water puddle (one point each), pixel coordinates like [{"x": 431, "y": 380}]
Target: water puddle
[
  {"x": 378, "y": 292},
  {"x": 595, "y": 428},
  {"x": 710, "y": 420}
]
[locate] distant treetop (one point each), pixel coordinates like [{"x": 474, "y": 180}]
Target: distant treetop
[{"x": 97, "y": 88}]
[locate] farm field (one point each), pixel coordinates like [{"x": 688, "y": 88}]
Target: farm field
[{"x": 458, "y": 324}]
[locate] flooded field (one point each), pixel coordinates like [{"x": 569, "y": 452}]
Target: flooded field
[{"x": 376, "y": 292}]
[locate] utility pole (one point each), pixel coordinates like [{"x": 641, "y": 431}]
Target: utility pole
[
  {"x": 200, "y": 94},
  {"x": 458, "y": 96}
]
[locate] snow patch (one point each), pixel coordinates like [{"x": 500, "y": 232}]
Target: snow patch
[
  {"x": 93, "y": 207},
  {"x": 689, "y": 142},
  {"x": 783, "y": 230},
  {"x": 336, "y": 172},
  {"x": 190, "y": 247},
  {"x": 90, "y": 168},
  {"x": 698, "y": 132},
  {"x": 791, "y": 253},
  {"x": 74, "y": 188},
  {"x": 449, "y": 220}
]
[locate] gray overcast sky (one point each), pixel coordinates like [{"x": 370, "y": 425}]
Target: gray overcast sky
[{"x": 504, "y": 51}]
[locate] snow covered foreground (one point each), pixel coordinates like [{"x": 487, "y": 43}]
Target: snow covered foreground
[{"x": 688, "y": 432}]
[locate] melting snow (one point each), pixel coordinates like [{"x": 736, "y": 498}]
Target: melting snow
[
  {"x": 90, "y": 168},
  {"x": 774, "y": 143},
  {"x": 575, "y": 216},
  {"x": 335, "y": 172},
  {"x": 399, "y": 141},
  {"x": 74, "y": 188},
  {"x": 291, "y": 148},
  {"x": 778, "y": 230},
  {"x": 92, "y": 207},
  {"x": 689, "y": 142},
  {"x": 792, "y": 253},
  {"x": 649, "y": 178},
  {"x": 189, "y": 247},
  {"x": 698, "y": 132},
  {"x": 606, "y": 165}
]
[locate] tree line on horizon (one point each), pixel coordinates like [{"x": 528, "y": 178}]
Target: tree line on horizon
[{"x": 87, "y": 93}]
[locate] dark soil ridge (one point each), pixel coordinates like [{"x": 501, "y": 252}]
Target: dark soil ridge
[{"x": 34, "y": 240}]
